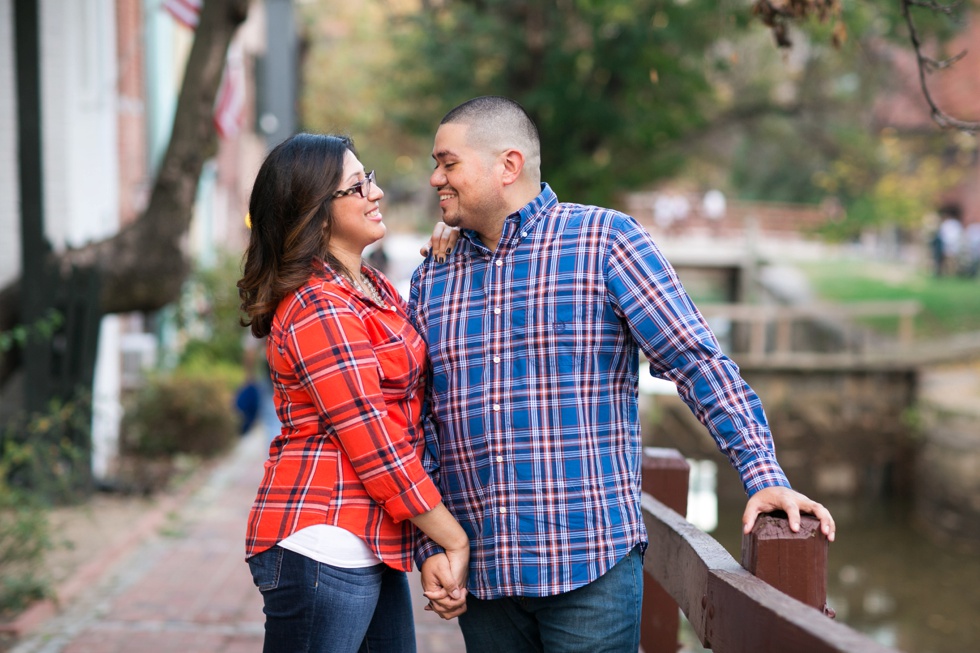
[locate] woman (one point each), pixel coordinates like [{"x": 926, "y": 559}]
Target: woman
[{"x": 330, "y": 534}]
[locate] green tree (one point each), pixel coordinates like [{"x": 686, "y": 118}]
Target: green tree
[
  {"x": 627, "y": 93},
  {"x": 886, "y": 181},
  {"x": 613, "y": 85}
]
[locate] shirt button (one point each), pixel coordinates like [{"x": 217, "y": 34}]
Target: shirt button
[
  {"x": 496, "y": 311},
  {"x": 503, "y": 511},
  {"x": 499, "y": 263},
  {"x": 524, "y": 234},
  {"x": 496, "y": 359},
  {"x": 496, "y": 408},
  {"x": 500, "y": 459}
]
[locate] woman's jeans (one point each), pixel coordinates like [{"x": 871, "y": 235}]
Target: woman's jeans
[
  {"x": 603, "y": 616},
  {"x": 311, "y": 607}
]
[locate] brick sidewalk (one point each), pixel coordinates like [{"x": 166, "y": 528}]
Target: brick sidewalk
[{"x": 187, "y": 589}]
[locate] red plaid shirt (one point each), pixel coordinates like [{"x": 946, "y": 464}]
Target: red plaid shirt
[{"x": 349, "y": 382}]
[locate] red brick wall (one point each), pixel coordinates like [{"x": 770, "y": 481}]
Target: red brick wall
[{"x": 133, "y": 172}]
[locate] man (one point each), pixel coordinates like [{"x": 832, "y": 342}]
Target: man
[{"x": 534, "y": 325}]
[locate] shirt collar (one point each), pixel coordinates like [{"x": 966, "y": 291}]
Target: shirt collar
[
  {"x": 333, "y": 276},
  {"x": 528, "y": 213},
  {"x": 545, "y": 200}
]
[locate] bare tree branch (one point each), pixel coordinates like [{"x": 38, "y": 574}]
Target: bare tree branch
[
  {"x": 933, "y": 65},
  {"x": 937, "y": 7},
  {"x": 927, "y": 64}
]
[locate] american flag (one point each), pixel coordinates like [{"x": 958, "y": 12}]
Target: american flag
[
  {"x": 229, "y": 107},
  {"x": 184, "y": 11}
]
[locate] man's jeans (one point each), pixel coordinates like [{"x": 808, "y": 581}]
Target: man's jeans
[
  {"x": 601, "y": 616},
  {"x": 311, "y": 607}
]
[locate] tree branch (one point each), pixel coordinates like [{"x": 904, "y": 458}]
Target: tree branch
[
  {"x": 937, "y": 7},
  {"x": 927, "y": 64}
]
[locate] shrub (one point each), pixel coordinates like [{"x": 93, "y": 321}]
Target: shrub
[
  {"x": 207, "y": 315},
  {"x": 24, "y": 538},
  {"x": 229, "y": 375},
  {"x": 43, "y": 460},
  {"x": 46, "y": 454},
  {"x": 185, "y": 412}
]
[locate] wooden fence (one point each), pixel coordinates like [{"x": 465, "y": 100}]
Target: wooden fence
[{"x": 774, "y": 602}]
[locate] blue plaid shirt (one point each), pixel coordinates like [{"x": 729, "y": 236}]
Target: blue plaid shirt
[{"x": 535, "y": 434}]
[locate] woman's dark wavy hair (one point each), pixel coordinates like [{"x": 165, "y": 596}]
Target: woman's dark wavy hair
[{"x": 290, "y": 210}]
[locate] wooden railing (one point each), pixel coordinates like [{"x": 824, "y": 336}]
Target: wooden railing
[
  {"x": 774, "y": 602},
  {"x": 770, "y": 326}
]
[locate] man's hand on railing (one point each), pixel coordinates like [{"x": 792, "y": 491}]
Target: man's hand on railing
[{"x": 792, "y": 503}]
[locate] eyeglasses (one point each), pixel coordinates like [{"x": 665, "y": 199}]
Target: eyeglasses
[{"x": 362, "y": 188}]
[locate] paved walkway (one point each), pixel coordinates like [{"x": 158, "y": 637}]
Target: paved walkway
[{"x": 183, "y": 587}]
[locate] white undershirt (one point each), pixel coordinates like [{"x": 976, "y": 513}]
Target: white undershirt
[{"x": 331, "y": 545}]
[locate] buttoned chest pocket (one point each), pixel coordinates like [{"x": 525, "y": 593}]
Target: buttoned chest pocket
[
  {"x": 400, "y": 365},
  {"x": 556, "y": 320},
  {"x": 555, "y": 336}
]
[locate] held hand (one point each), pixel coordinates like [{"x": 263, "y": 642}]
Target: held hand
[
  {"x": 444, "y": 574},
  {"x": 792, "y": 503},
  {"x": 459, "y": 565},
  {"x": 441, "y": 242},
  {"x": 446, "y": 598}
]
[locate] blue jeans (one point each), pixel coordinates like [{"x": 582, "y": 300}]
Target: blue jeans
[
  {"x": 311, "y": 607},
  {"x": 603, "y": 616}
]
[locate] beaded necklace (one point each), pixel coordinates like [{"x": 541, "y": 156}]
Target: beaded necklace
[{"x": 366, "y": 286}]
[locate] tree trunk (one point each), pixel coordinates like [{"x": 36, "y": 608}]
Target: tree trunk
[{"x": 143, "y": 266}]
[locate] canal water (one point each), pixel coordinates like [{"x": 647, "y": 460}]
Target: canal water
[{"x": 887, "y": 580}]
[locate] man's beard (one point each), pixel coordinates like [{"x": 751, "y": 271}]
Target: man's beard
[{"x": 453, "y": 219}]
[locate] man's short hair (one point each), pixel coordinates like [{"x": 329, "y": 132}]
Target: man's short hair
[{"x": 499, "y": 123}]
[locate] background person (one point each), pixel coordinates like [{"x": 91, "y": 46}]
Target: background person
[
  {"x": 329, "y": 536},
  {"x": 534, "y": 326}
]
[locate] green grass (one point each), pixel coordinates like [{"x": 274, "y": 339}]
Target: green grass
[{"x": 949, "y": 305}]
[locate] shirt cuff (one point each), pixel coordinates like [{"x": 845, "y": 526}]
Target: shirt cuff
[
  {"x": 760, "y": 472},
  {"x": 425, "y": 548},
  {"x": 418, "y": 499}
]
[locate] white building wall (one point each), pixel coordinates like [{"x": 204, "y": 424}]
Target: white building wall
[
  {"x": 9, "y": 180},
  {"x": 107, "y": 409},
  {"x": 167, "y": 45},
  {"x": 79, "y": 120},
  {"x": 81, "y": 176}
]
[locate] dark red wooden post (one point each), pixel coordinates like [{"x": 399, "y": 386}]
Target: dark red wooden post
[
  {"x": 794, "y": 563},
  {"x": 665, "y": 477}
]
